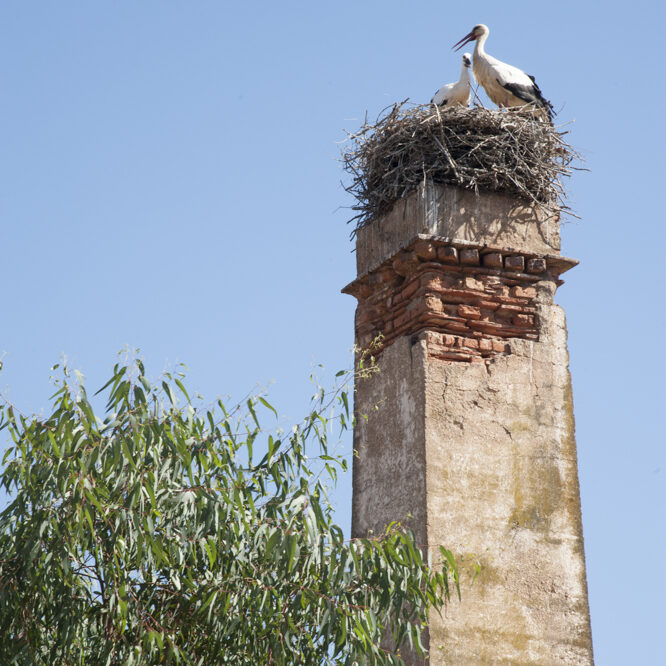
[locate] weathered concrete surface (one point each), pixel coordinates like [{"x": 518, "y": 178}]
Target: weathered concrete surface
[
  {"x": 450, "y": 212},
  {"x": 389, "y": 439},
  {"x": 502, "y": 489},
  {"x": 482, "y": 456}
]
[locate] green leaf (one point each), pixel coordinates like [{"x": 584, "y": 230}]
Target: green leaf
[
  {"x": 54, "y": 443},
  {"x": 250, "y": 407},
  {"x": 212, "y": 552},
  {"x": 86, "y": 512},
  {"x": 128, "y": 454},
  {"x": 179, "y": 384},
  {"x": 169, "y": 393},
  {"x": 265, "y": 403},
  {"x": 272, "y": 542}
]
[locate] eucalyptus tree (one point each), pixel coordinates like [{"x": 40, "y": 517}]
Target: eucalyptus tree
[{"x": 163, "y": 531}]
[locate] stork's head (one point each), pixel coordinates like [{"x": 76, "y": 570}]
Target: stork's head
[
  {"x": 479, "y": 30},
  {"x": 467, "y": 59}
]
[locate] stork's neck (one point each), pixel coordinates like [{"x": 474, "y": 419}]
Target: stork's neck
[
  {"x": 479, "y": 49},
  {"x": 464, "y": 73}
]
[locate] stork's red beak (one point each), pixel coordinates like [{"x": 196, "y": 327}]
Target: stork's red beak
[{"x": 467, "y": 38}]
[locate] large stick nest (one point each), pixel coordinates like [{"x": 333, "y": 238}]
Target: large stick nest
[{"x": 513, "y": 151}]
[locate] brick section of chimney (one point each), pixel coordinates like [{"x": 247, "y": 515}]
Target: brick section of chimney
[{"x": 470, "y": 299}]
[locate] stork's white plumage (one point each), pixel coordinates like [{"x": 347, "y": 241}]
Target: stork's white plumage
[
  {"x": 458, "y": 92},
  {"x": 504, "y": 84}
]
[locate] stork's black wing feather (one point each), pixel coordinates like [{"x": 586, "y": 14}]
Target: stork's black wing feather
[{"x": 530, "y": 94}]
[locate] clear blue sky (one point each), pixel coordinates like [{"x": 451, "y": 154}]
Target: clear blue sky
[{"x": 170, "y": 182}]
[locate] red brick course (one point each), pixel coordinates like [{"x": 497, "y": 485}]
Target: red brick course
[{"x": 468, "y": 302}]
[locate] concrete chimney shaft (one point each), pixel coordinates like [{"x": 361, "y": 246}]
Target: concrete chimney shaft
[{"x": 469, "y": 435}]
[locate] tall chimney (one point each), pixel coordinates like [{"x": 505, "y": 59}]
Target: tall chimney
[{"x": 466, "y": 434}]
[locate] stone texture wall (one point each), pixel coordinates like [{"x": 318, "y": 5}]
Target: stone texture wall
[{"x": 467, "y": 432}]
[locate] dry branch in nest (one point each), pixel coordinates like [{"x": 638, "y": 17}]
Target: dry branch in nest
[{"x": 511, "y": 151}]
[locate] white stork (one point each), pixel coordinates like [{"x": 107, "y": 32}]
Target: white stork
[
  {"x": 458, "y": 92},
  {"x": 504, "y": 84}
]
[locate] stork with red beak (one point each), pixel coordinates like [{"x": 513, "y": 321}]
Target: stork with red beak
[
  {"x": 457, "y": 93},
  {"x": 504, "y": 84}
]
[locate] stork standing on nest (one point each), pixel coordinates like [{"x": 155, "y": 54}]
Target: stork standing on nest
[
  {"x": 458, "y": 92},
  {"x": 504, "y": 84}
]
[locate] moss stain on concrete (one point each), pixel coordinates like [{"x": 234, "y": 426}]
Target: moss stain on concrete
[{"x": 537, "y": 492}]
